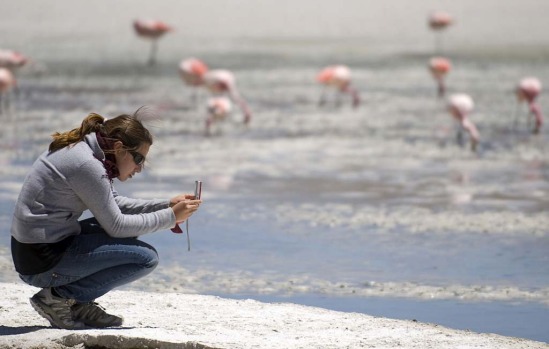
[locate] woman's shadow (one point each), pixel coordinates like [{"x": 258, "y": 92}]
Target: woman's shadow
[{"x": 7, "y": 330}]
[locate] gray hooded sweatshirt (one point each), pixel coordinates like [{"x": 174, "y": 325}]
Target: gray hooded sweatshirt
[{"x": 63, "y": 184}]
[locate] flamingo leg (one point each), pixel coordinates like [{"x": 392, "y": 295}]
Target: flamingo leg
[
  {"x": 5, "y": 104},
  {"x": 516, "y": 117},
  {"x": 441, "y": 88},
  {"x": 459, "y": 135},
  {"x": 459, "y": 138},
  {"x": 322, "y": 100},
  {"x": 194, "y": 97},
  {"x": 438, "y": 43},
  {"x": 152, "y": 56},
  {"x": 209, "y": 122},
  {"x": 338, "y": 98}
]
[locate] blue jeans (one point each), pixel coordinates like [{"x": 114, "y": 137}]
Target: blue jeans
[{"x": 95, "y": 263}]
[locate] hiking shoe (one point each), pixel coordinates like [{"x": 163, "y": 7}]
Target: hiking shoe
[
  {"x": 94, "y": 315},
  {"x": 56, "y": 310}
]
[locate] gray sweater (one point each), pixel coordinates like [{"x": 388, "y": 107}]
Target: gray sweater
[{"x": 63, "y": 184}]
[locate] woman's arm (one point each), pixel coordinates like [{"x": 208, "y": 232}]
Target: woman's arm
[
  {"x": 94, "y": 189},
  {"x": 134, "y": 206}
]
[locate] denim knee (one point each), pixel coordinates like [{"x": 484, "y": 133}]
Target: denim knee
[{"x": 153, "y": 260}]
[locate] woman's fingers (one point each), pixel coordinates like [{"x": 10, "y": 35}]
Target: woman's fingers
[
  {"x": 184, "y": 209},
  {"x": 182, "y": 198}
]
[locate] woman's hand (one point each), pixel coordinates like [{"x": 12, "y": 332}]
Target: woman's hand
[
  {"x": 184, "y": 206},
  {"x": 181, "y": 197}
]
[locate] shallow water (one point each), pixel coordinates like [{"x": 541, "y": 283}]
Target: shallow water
[
  {"x": 373, "y": 205},
  {"x": 524, "y": 320}
]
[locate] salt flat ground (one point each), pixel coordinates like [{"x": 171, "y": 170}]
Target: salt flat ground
[{"x": 377, "y": 203}]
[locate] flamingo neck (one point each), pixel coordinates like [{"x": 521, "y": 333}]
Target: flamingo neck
[
  {"x": 246, "y": 110},
  {"x": 471, "y": 129},
  {"x": 243, "y": 106},
  {"x": 536, "y": 110},
  {"x": 354, "y": 94}
]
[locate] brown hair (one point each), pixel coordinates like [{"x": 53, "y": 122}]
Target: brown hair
[{"x": 125, "y": 128}]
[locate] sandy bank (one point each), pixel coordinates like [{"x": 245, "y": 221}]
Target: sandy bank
[{"x": 174, "y": 320}]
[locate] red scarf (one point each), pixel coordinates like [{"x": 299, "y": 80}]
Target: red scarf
[{"x": 107, "y": 145}]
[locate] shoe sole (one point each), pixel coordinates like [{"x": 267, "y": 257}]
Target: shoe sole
[
  {"x": 92, "y": 319},
  {"x": 116, "y": 323},
  {"x": 36, "y": 304}
]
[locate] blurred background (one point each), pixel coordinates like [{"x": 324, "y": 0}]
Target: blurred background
[{"x": 375, "y": 207}]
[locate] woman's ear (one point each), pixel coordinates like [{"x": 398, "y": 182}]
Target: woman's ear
[{"x": 118, "y": 145}]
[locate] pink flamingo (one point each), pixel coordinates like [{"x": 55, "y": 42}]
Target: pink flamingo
[
  {"x": 439, "y": 67},
  {"x": 338, "y": 77},
  {"x": 191, "y": 71},
  {"x": 7, "y": 82},
  {"x": 460, "y": 106},
  {"x": 528, "y": 90},
  {"x": 218, "y": 109},
  {"x": 151, "y": 30},
  {"x": 13, "y": 60},
  {"x": 438, "y": 21},
  {"x": 223, "y": 81}
]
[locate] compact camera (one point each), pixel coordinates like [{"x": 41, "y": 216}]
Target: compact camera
[
  {"x": 197, "y": 195},
  {"x": 197, "y": 190}
]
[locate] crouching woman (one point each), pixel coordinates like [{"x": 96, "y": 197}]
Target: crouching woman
[{"x": 76, "y": 261}]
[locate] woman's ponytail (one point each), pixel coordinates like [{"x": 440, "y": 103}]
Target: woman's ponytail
[{"x": 92, "y": 123}]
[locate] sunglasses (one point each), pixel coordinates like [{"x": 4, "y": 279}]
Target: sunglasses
[{"x": 138, "y": 158}]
